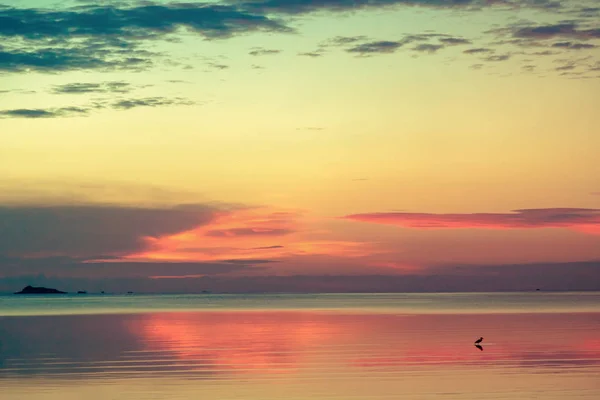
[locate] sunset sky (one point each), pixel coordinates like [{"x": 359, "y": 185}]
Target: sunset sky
[{"x": 300, "y": 145}]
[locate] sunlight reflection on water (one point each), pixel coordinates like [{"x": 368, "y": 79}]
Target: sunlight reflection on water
[{"x": 300, "y": 354}]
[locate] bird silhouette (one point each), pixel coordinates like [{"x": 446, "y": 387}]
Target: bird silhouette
[{"x": 479, "y": 340}]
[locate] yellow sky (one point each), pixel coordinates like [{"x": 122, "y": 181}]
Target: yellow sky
[{"x": 414, "y": 110}]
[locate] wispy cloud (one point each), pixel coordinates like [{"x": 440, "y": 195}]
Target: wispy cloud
[
  {"x": 453, "y": 41},
  {"x": 43, "y": 113},
  {"x": 363, "y": 46},
  {"x": 427, "y": 47},
  {"x": 85, "y": 110},
  {"x": 478, "y": 50},
  {"x": 497, "y": 58},
  {"x": 150, "y": 102},
  {"x": 308, "y": 6},
  {"x": 263, "y": 52},
  {"x": 102, "y": 87},
  {"x": 573, "y": 46},
  {"x": 381, "y": 47},
  {"x": 563, "y": 30},
  {"x": 313, "y": 54},
  {"x": 581, "y": 219}
]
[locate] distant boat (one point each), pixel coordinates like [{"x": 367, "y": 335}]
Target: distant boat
[{"x": 39, "y": 290}]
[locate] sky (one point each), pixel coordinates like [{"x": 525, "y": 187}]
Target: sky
[{"x": 300, "y": 145}]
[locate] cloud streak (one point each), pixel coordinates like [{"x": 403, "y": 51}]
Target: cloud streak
[
  {"x": 564, "y": 30},
  {"x": 103, "y": 87},
  {"x": 150, "y": 102},
  {"x": 379, "y": 47},
  {"x": 125, "y": 104},
  {"x": 37, "y": 113},
  {"x": 581, "y": 219},
  {"x": 296, "y": 7}
]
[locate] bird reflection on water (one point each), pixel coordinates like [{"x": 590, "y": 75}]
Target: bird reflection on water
[{"x": 478, "y": 343}]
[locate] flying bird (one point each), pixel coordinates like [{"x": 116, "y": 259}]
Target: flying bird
[{"x": 479, "y": 340}]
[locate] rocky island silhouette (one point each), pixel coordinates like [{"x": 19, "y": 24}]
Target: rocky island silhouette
[{"x": 39, "y": 290}]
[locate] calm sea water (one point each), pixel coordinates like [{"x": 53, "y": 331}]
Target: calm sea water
[{"x": 379, "y": 346}]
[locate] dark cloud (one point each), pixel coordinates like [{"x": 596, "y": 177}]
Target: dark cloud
[
  {"x": 379, "y": 47},
  {"x": 103, "y": 87},
  {"x": 150, "y": 102},
  {"x": 583, "y": 219},
  {"x": 344, "y": 40},
  {"x": 45, "y": 59},
  {"x": 587, "y": 12},
  {"x": 263, "y": 52},
  {"x": 110, "y": 37},
  {"x": 568, "y": 30},
  {"x": 427, "y": 47},
  {"x": 543, "y": 53},
  {"x": 43, "y": 113},
  {"x": 389, "y": 46},
  {"x": 313, "y": 54},
  {"x": 309, "y": 6},
  {"x": 125, "y": 104},
  {"x": 496, "y": 58},
  {"x": 150, "y": 21},
  {"x": 218, "y": 66},
  {"x": 562, "y": 37},
  {"x": 88, "y": 231},
  {"x": 567, "y": 67},
  {"x": 454, "y": 41},
  {"x": 478, "y": 50},
  {"x": 573, "y": 46},
  {"x": 268, "y": 247}
]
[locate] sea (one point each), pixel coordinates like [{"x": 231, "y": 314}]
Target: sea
[{"x": 535, "y": 345}]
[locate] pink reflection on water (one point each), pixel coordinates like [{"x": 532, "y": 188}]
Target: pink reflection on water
[
  {"x": 270, "y": 342},
  {"x": 287, "y": 342}
]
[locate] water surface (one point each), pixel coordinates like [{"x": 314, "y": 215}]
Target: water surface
[{"x": 301, "y": 347}]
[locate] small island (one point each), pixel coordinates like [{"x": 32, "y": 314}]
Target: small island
[{"x": 39, "y": 290}]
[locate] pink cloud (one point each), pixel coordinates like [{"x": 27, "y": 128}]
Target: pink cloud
[
  {"x": 245, "y": 234},
  {"x": 581, "y": 219}
]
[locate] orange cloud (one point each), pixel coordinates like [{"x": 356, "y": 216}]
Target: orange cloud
[
  {"x": 247, "y": 234},
  {"x": 581, "y": 219}
]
